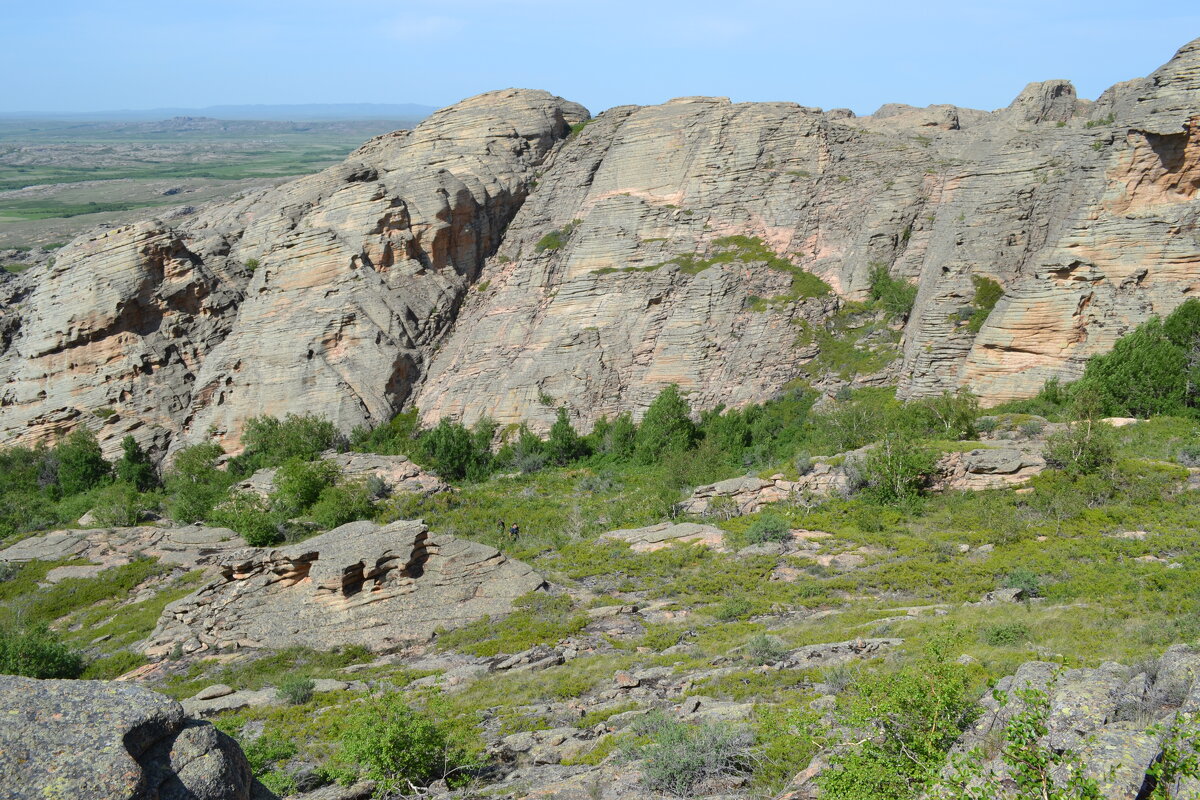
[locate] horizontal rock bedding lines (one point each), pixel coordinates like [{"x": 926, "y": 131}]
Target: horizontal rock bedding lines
[{"x": 496, "y": 256}]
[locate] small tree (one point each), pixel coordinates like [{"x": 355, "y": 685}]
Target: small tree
[
  {"x": 134, "y": 466},
  {"x": 666, "y": 427},
  {"x": 897, "y": 470},
  {"x": 298, "y": 484},
  {"x": 81, "y": 464},
  {"x": 564, "y": 445},
  {"x": 194, "y": 482},
  {"x": 621, "y": 437}
]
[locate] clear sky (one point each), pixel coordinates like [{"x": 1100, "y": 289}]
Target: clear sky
[{"x": 77, "y": 55}]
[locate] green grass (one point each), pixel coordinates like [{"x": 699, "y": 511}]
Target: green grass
[{"x": 269, "y": 668}]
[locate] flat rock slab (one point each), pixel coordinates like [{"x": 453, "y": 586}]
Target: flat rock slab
[
  {"x": 189, "y": 546},
  {"x": 665, "y": 534},
  {"x": 81, "y": 571}
]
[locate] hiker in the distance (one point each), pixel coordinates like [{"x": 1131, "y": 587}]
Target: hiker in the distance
[
  {"x": 514, "y": 532},
  {"x": 503, "y": 527}
]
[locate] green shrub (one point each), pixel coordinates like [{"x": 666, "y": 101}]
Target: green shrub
[
  {"x": 1153, "y": 370},
  {"x": 119, "y": 505},
  {"x": 37, "y": 652},
  {"x": 897, "y": 470},
  {"x": 295, "y": 690},
  {"x": 954, "y": 413},
  {"x": 298, "y": 484},
  {"x": 251, "y": 516},
  {"x": 895, "y": 295},
  {"x": 194, "y": 483},
  {"x": 557, "y": 238},
  {"x": 679, "y": 756},
  {"x": 564, "y": 445},
  {"x": 1004, "y": 634},
  {"x": 900, "y": 727},
  {"x": 540, "y": 618},
  {"x": 134, "y": 466},
  {"x": 454, "y": 453},
  {"x": 667, "y": 427},
  {"x": 395, "y": 745},
  {"x": 81, "y": 464},
  {"x": 1085, "y": 447},
  {"x": 786, "y": 739},
  {"x": 1026, "y": 580},
  {"x": 269, "y": 441},
  {"x": 765, "y": 649},
  {"x": 343, "y": 503},
  {"x": 987, "y": 293},
  {"x": 769, "y": 528}
]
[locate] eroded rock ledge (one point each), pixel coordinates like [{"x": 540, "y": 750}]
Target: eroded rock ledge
[{"x": 359, "y": 584}]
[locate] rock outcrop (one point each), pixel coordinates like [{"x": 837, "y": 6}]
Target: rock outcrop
[
  {"x": 361, "y": 584},
  {"x": 189, "y": 546},
  {"x": 492, "y": 257},
  {"x": 112, "y": 741},
  {"x": 1116, "y": 719}
]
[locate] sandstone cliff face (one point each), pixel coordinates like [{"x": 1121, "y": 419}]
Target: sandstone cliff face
[
  {"x": 488, "y": 261},
  {"x": 325, "y": 294}
]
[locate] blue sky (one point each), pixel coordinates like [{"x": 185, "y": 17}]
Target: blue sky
[{"x": 66, "y": 55}]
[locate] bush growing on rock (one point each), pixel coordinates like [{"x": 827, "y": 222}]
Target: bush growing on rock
[
  {"x": 251, "y": 516},
  {"x": 298, "y": 484},
  {"x": 900, "y": 727}
]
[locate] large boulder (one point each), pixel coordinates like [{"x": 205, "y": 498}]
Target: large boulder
[
  {"x": 62, "y": 740},
  {"x": 358, "y": 584},
  {"x": 188, "y": 546}
]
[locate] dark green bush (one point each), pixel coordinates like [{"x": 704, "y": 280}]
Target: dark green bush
[
  {"x": 667, "y": 427},
  {"x": 769, "y": 528},
  {"x": 987, "y": 293},
  {"x": 36, "y": 652},
  {"x": 1004, "y": 634},
  {"x": 134, "y": 466},
  {"x": 251, "y": 516},
  {"x": 343, "y": 503},
  {"x": 81, "y": 464},
  {"x": 564, "y": 445},
  {"x": 298, "y": 484}
]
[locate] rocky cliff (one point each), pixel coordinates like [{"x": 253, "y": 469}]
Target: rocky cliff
[{"x": 498, "y": 261}]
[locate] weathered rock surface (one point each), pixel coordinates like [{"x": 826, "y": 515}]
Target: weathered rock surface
[
  {"x": 358, "y": 584},
  {"x": 601, "y": 268},
  {"x": 322, "y": 295},
  {"x": 1114, "y": 719},
  {"x": 112, "y": 741},
  {"x": 189, "y": 546},
  {"x": 665, "y": 534}
]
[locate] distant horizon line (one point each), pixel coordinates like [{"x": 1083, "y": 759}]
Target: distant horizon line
[{"x": 238, "y": 111}]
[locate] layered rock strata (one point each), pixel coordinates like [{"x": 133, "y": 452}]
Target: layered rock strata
[
  {"x": 359, "y": 584},
  {"x": 495, "y": 262}
]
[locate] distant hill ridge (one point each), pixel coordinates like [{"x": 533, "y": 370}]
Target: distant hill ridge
[{"x": 303, "y": 112}]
